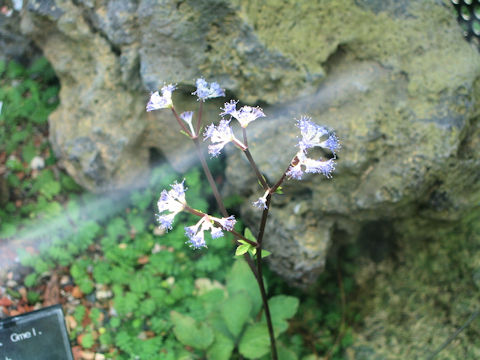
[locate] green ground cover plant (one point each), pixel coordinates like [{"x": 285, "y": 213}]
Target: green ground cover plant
[{"x": 129, "y": 293}]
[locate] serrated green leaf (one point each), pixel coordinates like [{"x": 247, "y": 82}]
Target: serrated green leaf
[
  {"x": 221, "y": 348},
  {"x": 242, "y": 249},
  {"x": 191, "y": 333},
  {"x": 236, "y": 311},
  {"x": 255, "y": 341}
]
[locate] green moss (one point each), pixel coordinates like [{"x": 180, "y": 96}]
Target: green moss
[
  {"x": 424, "y": 43},
  {"x": 417, "y": 300}
]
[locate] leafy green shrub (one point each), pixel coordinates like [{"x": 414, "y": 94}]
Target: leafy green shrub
[{"x": 227, "y": 322}]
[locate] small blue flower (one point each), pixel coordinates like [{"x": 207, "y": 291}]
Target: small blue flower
[
  {"x": 227, "y": 223},
  {"x": 261, "y": 203},
  {"x": 314, "y": 135},
  {"x": 295, "y": 171},
  {"x": 166, "y": 220},
  {"x": 205, "y": 91},
  {"x": 161, "y": 102},
  {"x": 245, "y": 115},
  {"x": 318, "y": 166},
  {"x": 187, "y": 117},
  {"x": 230, "y": 108},
  {"x": 220, "y": 136},
  {"x": 172, "y": 202},
  {"x": 196, "y": 233},
  {"x": 216, "y": 232},
  {"x": 196, "y": 241},
  {"x": 325, "y": 167}
]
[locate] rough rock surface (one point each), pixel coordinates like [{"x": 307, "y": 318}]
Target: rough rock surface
[
  {"x": 13, "y": 44},
  {"x": 395, "y": 80},
  {"x": 401, "y": 93}
]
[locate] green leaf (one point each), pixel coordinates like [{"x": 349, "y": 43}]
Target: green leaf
[
  {"x": 285, "y": 353},
  {"x": 87, "y": 340},
  {"x": 265, "y": 253},
  {"x": 86, "y": 285},
  {"x": 236, "y": 311},
  {"x": 221, "y": 348},
  {"x": 282, "y": 307},
  {"x": 191, "y": 333},
  {"x": 242, "y": 249},
  {"x": 33, "y": 297},
  {"x": 211, "y": 299},
  {"x": 50, "y": 189},
  {"x": 241, "y": 278},
  {"x": 30, "y": 280},
  {"x": 248, "y": 234},
  {"x": 255, "y": 341}
]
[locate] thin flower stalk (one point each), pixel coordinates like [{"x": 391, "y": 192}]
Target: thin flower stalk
[{"x": 173, "y": 201}]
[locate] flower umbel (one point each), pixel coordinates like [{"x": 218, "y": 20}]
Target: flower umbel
[
  {"x": 205, "y": 91},
  {"x": 245, "y": 115},
  {"x": 325, "y": 167},
  {"x": 220, "y": 136},
  {"x": 196, "y": 233},
  {"x": 313, "y": 135},
  {"x": 170, "y": 203},
  {"x": 316, "y": 135},
  {"x": 161, "y": 102},
  {"x": 227, "y": 223}
]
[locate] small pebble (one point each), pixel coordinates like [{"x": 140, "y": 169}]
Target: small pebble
[{"x": 37, "y": 163}]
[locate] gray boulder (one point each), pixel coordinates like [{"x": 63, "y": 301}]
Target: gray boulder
[{"x": 395, "y": 80}]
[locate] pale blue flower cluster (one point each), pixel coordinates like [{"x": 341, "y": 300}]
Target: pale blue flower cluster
[
  {"x": 220, "y": 136},
  {"x": 261, "y": 203},
  {"x": 316, "y": 135},
  {"x": 207, "y": 91},
  {"x": 196, "y": 233},
  {"x": 313, "y": 135},
  {"x": 173, "y": 201},
  {"x": 170, "y": 204},
  {"x": 161, "y": 102},
  {"x": 245, "y": 115}
]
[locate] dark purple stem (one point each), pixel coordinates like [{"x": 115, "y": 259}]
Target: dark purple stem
[
  {"x": 260, "y": 276},
  {"x": 182, "y": 125}
]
